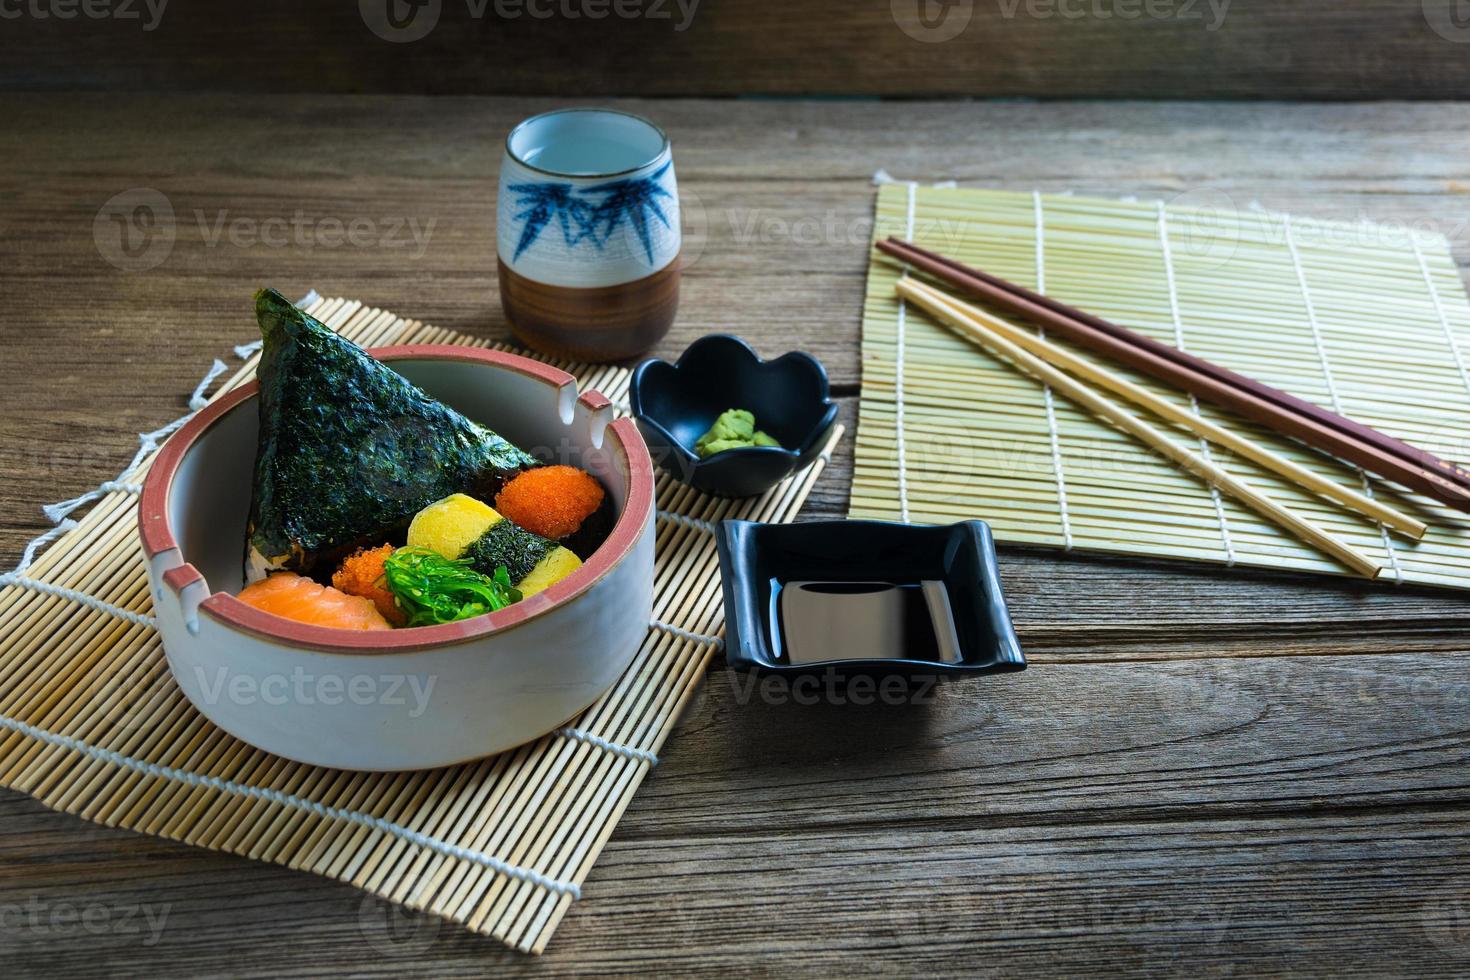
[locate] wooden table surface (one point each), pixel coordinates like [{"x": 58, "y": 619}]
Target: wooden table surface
[{"x": 1219, "y": 772}]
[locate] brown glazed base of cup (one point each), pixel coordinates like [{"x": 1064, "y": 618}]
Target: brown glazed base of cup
[{"x": 605, "y": 323}]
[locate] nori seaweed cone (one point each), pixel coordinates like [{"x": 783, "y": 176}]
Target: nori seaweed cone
[{"x": 349, "y": 449}]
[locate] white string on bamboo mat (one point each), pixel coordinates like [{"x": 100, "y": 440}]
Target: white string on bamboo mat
[
  {"x": 1204, "y": 444},
  {"x": 36, "y": 544},
  {"x": 287, "y": 799},
  {"x": 683, "y": 634},
  {"x": 258, "y": 792},
  {"x": 56, "y": 512},
  {"x": 1311, "y": 308},
  {"x": 148, "y": 442},
  {"x": 900, "y": 449},
  {"x": 90, "y": 601},
  {"x": 294, "y": 802},
  {"x": 616, "y": 748},
  {"x": 684, "y": 520},
  {"x": 1050, "y": 402}
]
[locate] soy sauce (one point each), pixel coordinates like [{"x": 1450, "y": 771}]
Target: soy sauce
[{"x": 816, "y": 622}]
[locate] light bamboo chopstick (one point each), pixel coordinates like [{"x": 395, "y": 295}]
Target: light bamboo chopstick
[
  {"x": 1101, "y": 376},
  {"x": 977, "y": 332},
  {"x": 1285, "y": 413}
]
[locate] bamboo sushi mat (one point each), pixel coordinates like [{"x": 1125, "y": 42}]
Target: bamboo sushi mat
[
  {"x": 95, "y": 726},
  {"x": 1369, "y": 321}
]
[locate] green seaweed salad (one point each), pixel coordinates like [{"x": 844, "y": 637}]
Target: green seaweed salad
[{"x": 432, "y": 589}]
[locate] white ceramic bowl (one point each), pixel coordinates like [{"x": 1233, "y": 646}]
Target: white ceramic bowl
[{"x": 408, "y": 698}]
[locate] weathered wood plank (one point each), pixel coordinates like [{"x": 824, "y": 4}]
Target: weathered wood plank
[
  {"x": 1069, "y": 744},
  {"x": 1192, "y": 746},
  {"x": 780, "y": 260},
  {"x": 1352, "y": 894},
  {"x": 1049, "y": 48}
]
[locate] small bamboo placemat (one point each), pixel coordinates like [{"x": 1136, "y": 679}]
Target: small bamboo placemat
[
  {"x": 1369, "y": 321},
  {"x": 95, "y": 726}
]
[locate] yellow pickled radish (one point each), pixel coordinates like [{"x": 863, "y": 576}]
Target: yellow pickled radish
[
  {"x": 451, "y": 525},
  {"x": 557, "y": 565}
]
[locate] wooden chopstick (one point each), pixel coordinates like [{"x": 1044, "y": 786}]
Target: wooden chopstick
[
  {"x": 1146, "y": 355},
  {"x": 1100, "y": 376},
  {"x": 1111, "y": 411},
  {"x": 1396, "y": 447}
]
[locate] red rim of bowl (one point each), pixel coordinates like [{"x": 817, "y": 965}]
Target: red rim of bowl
[{"x": 621, "y": 435}]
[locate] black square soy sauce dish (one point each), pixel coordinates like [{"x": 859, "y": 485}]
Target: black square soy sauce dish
[{"x": 843, "y": 558}]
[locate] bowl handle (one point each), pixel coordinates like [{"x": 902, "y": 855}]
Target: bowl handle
[{"x": 178, "y": 589}]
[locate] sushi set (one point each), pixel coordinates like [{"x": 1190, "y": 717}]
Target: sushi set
[
  {"x": 506, "y": 571},
  {"x": 469, "y": 521},
  {"x": 483, "y": 530},
  {"x": 382, "y": 555},
  {"x": 185, "y": 713}
]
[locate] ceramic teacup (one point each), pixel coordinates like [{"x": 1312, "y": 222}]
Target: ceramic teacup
[{"x": 588, "y": 234}]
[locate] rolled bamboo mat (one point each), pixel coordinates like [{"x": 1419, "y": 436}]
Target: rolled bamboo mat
[
  {"x": 1369, "y": 321},
  {"x": 95, "y": 726}
]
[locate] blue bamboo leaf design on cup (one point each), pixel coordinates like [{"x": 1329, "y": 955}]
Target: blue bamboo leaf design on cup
[
  {"x": 634, "y": 200},
  {"x": 544, "y": 201}
]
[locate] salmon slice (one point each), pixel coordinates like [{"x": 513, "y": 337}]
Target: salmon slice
[{"x": 296, "y": 597}]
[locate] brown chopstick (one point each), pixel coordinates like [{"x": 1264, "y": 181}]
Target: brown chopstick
[
  {"x": 1358, "y": 430},
  {"x": 1311, "y": 424}
]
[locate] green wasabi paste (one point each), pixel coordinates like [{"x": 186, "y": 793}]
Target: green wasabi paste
[{"x": 734, "y": 429}]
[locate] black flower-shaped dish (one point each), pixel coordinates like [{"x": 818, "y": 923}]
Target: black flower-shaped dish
[
  {"x": 675, "y": 404},
  {"x": 851, "y": 569}
]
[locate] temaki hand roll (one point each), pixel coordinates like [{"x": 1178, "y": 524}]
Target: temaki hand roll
[
  {"x": 460, "y": 526},
  {"x": 349, "y": 449}
]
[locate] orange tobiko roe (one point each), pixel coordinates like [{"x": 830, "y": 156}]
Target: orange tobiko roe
[
  {"x": 551, "y": 501},
  {"x": 361, "y": 573}
]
